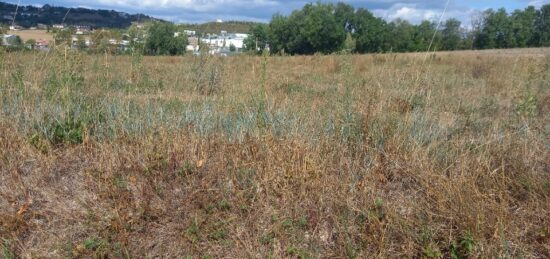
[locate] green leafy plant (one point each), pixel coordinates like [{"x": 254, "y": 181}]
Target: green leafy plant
[
  {"x": 527, "y": 106},
  {"x": 462, "y": 248}
]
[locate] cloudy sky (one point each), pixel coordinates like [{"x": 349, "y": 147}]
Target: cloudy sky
[{"x": 262, "y": 10}]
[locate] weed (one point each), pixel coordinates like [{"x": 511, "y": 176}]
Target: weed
[
  {"x": 92, "y": 243},
  {"x": 192, "y": 231},
  {"x": 462, "y": 248},
  {"x": 6, "y": 249},
  {"x": 68, "y": 131},
  {"x": 224, "y": 205},
  {"x": 186, "y": 169},
  {"x": 268, "y": 239},
  {"x": 298, "y": 252},
  {"x": 207, "y": 74},
  {"x": 287, "y": 223},
  {"x": 432, "y": 251},
  {"x": 120, "y": 182},
  {"x": 527, "y": 107}
]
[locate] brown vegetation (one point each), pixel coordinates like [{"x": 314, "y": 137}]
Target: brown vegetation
[
  {"x": 33, "y": 35},
  {"x": 248, "y": 157}
]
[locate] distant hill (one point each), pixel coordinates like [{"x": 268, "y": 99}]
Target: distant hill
[
  {"x": 29, "y": 16},
  {"x": 216, "y": 27}
]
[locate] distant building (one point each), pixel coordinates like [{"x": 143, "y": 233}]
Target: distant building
[
  {"x": 83, "y": 29},
  {"x": 189, "y": 32},
  {"x": 219, "y": 44},
  {"x": 15, "y": 27},
  {"x": 193, "y": 44},
  {"x": 42, "y": 45},
  {"x": 59, "y": 26}
]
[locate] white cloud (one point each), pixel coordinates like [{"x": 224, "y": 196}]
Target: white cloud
[
  {"x": 262, "y": 10},
  {"x": 538, "y": 3},
  {"x": 415, "y": 14},
  {"x": 195, "y": 5}
]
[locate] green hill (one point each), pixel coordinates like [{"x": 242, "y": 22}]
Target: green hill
[{"x": 29, "y": 16}]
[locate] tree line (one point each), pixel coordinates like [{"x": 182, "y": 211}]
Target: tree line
[{"x": 329, "y": 28}]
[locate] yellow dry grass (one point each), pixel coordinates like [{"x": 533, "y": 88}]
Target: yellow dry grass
[
  {"x": 370, "y": 156},
  {"x": 33, "y": 34}
]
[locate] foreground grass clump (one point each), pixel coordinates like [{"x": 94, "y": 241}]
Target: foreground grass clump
[{"x": 321, "y": 156}]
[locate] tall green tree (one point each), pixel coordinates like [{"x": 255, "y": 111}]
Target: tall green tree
[
  {"x": 401, "y": 36},
  {"x": 280, "y": 33},
  {"x": 162, "y": 41},
  {"x": 309, "y": 30},
  {"x": 496, "y": 31},
  {"x": 345, "y": 16},
  {"x": 523, "y": 24},
  {"x": 258, "y": 38},
  {"x": 425, "y": 32},
  {"x": 370, "y": 32},
  {"x": 451, "y": 35},
  {"x": 542, "y": 34},
  {"x": 321, "y": 29}
]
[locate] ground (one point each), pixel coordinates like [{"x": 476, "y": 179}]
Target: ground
[
  {"x": 352, "y": 156},
  {"x": 33, "y": 34}
]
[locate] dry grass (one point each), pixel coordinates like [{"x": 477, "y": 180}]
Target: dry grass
[
  {"x": 33, "y": 34},
  {"x": 322, "y": 156}
]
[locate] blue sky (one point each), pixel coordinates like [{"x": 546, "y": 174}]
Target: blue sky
[{"x": 262, "y": 10}]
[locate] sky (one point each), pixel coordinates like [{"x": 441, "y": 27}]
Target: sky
[{"x": 198, "y": 11}]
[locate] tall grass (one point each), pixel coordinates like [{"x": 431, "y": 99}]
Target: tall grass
[{"x": 320, "y": 156}]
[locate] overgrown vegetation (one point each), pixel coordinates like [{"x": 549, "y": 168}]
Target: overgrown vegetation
[{"x": 387, "y": 155}]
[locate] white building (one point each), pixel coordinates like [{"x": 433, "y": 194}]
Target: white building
[
  {"x": 223, "y": 42},
  {"x": 189, "y": 32},
  {"x": 15, "y": 27}
]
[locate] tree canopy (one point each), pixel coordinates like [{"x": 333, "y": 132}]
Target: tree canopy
[
  {"x": 161, "y": 40},
  {"x": 329, "y": 28}
]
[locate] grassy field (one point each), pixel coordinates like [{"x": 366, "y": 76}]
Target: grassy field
[
  {"x": 33, "y": 34},
  {"x": 371, "y": 156}
]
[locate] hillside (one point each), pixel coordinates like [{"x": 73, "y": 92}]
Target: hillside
[{"x": 28, "y": 16}]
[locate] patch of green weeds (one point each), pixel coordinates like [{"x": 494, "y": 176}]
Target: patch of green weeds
[
  {"x": 6, "y": 250},
  {"x": 462, "y": 248},
  {"x": 120, "y": 182},
  {"x": 268, "y": 238},
  {"x": 37, "y": 142},
  {"x": 432, "y": 251},
  {"x": 187, "y": 168},
  {"x": 224, "y": 205},
  {"x": 92, "y": 243},
  {"x": 192, "y": 231},
  {"x": 297, "y": 252},
  {"x": 377, "y": 212},
  {"x": 352, "y": 250},
  {"x": 527, "y": 106},
  {"x": 220, "y": 232},
  {"x": 69, "y": 131}
]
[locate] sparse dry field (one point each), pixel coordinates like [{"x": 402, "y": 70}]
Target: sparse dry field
[
  {"x": 371, "y": 156},
  {"x": 33, "y": 34}
]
